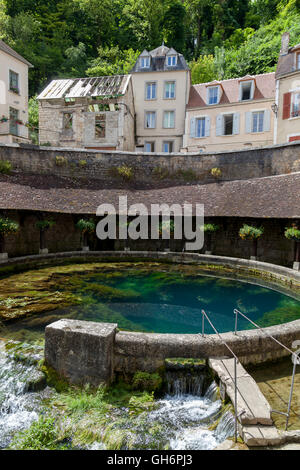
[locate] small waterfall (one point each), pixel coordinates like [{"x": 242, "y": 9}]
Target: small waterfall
[
  {"x": 225, "y": 427},
  {"x": 212, "y": 392},
  {"x": 184, "y": 383}
]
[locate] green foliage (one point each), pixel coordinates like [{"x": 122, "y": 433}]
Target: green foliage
[
  {"x": 5, "y": 167},
  {"x": 8, "y": 226},
  {"x": 83, "y": 400},
  {"x": 292, "y": 233},
  {"x": 112, "y": 61},
  {"x": 248, "y": 232},
  {"x": 210, "y": 228},
  {"x": 41, "y": 435},
  {"x": 216, "y": 172},
  {"x": 44, "y": 225},
  {"x": 82, "y": 163},
  {"x": 86, "y": 225},
  {"x": 146, "y": 382},
  {"x": 60, "y": 161},
  {"x": 166, "y": 226},
  {"x": 33, "y": 119},
  {"x": 125, "y": 172}
]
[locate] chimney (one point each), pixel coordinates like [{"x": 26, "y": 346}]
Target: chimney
[{"x": 285, "y": 40}]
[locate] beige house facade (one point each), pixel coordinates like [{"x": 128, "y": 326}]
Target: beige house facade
[
  {"x": 161, "y": 84},
  {"x": 287, "y": 126},
  {"x": 90, "y": 113},
  {"x": 230, "y": 114},
  {"x": 13, "y": 96}
]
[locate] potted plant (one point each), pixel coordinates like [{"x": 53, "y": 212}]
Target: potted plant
[
  {"x": 7, "y": 226},
  {"x": 208, "y": 230},
  {"x": 86, "y": 226},
  {"x": 293, "y": 233},
  {"x": 43, "y": 226},
  {"x": 249, "y": 232}
]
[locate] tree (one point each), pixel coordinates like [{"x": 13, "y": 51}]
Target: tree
[
  {"x": 173, "y": 25},
  {"x": 293, "y": 233},
  {"x": 208, "y": 230},
  {"x": 86, "y": 226},
  {"x": 7, "y": 227},
  {"x": 43, "y": 226},
  {"x": 248, "y": 232},
  {"x": 112, "y": 61},
  {"x": 33, "y": 120}
]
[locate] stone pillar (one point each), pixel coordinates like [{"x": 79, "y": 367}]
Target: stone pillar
[{"x": 81, "y": 352}]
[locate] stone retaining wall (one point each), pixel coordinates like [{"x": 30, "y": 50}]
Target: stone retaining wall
[{"x": 242, "y": 164}]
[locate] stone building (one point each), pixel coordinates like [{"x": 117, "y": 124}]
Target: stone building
[
  {"x": 13, "y": 96},
  {"x": 287, "y": 126},
  {"x": 230, "y": 114},
  {"x": 161, "y": 84},
  {"x": 91, "y": 113}
]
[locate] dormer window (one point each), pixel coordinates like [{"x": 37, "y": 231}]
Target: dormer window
[
  {"x": 213, "y": 95},
  {"x": 171, "y": 60},
  {"x": 246, "y": 90},
  {"x": 145, "y": 62}
]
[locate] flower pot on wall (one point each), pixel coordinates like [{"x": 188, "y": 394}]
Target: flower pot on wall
[{"x": 3, "y": 256}]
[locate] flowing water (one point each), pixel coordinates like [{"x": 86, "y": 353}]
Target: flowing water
[{"x": 180, "y": 420}]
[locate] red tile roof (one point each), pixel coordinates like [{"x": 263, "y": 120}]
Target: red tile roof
[{"x": 264, "y": 88}]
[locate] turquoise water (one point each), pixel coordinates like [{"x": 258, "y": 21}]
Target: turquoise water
[{"x": 165, "y": 302}]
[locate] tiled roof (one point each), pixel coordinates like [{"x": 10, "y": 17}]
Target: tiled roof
[
  {"x": 8, "y": 50},
  {"x": 158, "y": 60},
  {"x": 269, "y": 197},
  {"x": 80, "y": 87},
  {"x": 264, "y": 88}
]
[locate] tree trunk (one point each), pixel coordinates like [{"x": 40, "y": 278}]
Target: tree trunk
[
  {"x": 297, "y": 252},
  {"x": 85, "y": 238},
  {"x": 2, "y": 243},
  {"x": 42, "y": 239},
  {"x": 208, "y": 242},
  {"x": 254, "y": 248}
]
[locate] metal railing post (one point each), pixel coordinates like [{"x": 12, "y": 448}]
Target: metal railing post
[
  {"x": 203, "y": 318},
  {"x": 236, "y": 321},
  {"x": 291, "y": 393},
  {"x": 235, "y": 401}
]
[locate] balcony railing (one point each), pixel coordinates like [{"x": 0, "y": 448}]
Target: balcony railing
[{"x": 15, "y": 129}]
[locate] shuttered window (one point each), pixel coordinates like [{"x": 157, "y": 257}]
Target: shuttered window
[
  {"x": 286, "y": 112},
  {"x": 296, "y": 105}
]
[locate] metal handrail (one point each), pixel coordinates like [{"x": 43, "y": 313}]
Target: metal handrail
[
  {"x": 236, "y": 360},
  {"x": 296, "y": 361}
]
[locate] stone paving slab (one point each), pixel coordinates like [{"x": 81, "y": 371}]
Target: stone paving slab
[
  {"x": 258, "y": 436},
  {"x": 252, "y": 406}
]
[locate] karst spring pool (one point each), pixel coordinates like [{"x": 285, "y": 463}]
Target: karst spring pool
[{"x": 149, "y": 297}]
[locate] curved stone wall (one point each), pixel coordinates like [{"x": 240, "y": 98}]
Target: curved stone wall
[{"x": 147, "y": 351}]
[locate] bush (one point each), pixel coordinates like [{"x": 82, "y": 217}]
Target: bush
[
  {"x": 216, "y": 172},
  {"x": 248, "y": 232},
  {"x": 60, "y": 161},
  {"x": 146, "y": 382},
  {"x": 44, "y": 225},
  {"x": 86, "y": 225},
  {"x": 210, "y": 228},
  {"x": 292, "y": 233},
  {"x": 8, "y": 226},
  {"x": 124, "y": 171},
  {"x": 5, "y": 167}
]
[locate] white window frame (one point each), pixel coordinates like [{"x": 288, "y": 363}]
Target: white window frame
[
  {"x": 258, "y": 111},
  {"x": 198, "y": 118},
  {"x": 17, "y": 78},
  {"x": 218, "y": 94},
  {"x": 172, "y": 57},
  {"x": 145, "y": 123},
  {"x": 168, "y": 142},
  {"x": 145, "y": 62},
  {"x": 146, "y": 88},
  {"x": 251, "y": 89},
  {"x": 168, "y": 82},
  {"x": 148, "y": 142},
  {"x": 293, "y": 94},
  {"x": 163, "y": 123}
]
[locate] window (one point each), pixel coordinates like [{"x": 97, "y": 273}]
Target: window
[
  {"x": 67, "y": 121},
  {"x": 169, "y": 119},
  {"x": 171, "y": 60},
  {"x": 258, "y": 121},
  {"x": 14, "y": 81},
  {"x": 13, "y": 121},
  {"x": 169, "y": 90},
  {"x": 149, "y": 147},
  {"x": 298, "y": 61},
  {"x": 150, "y": 119},
  {"x": 213, "y": 95},
  {"x": 200, "y": 127},
  {"x": 228, "y": 124},
  {"x": 151, "y": 91},
  {"x": 145, "y": 62},
  {"x": 295, "y": 104},
  {"x": 246, "y": 90},
  {"x": 168, "y": 147},
  {"x": 100, "y": 126}
]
